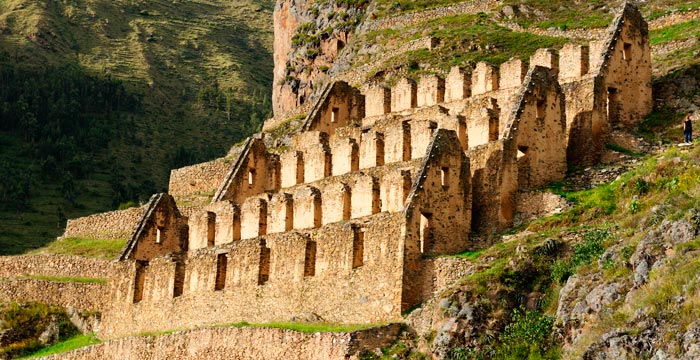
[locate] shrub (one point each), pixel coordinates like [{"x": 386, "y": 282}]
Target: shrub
[{"x": 527, "y": 336}]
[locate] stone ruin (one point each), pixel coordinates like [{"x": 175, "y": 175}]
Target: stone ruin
[{"x": 338, "y": 226}]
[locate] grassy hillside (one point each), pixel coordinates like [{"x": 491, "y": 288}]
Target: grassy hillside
[{"x": 198, "y": 74}]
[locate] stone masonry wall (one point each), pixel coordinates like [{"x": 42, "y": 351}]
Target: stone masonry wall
[
  {"x": 233, "y": 343},
  {"x": 54, "y": 265},
  {"x": 198, "y": 179},
  {"x": 110, "y": 225},
  {"x": 85, "y": 296},
  {"x": 353, "y": 275}
]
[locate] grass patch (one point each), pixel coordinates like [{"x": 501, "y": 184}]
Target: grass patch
[
  {"x": 65, "y": 346},
  {"x": 470, "y": 255},
  {"x": 623, "y": 150},
  {"x": 680, "y": 31},
  {"x": 95, "y": 248}
]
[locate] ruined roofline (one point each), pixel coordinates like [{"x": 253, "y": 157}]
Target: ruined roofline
[
  {"x": 130, "y": 245},
  {"x": 628, "y": 11},
  {"x": 221, "y": 192},
  {"x": 314, "y": 114},
  {"x": 520, "y": 101},
  {"x": 439, "y": 136}
]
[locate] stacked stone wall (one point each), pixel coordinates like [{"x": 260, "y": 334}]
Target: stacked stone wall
[
  {"x": 54, "y": 265},
  {"x": 417, "y": 17},
  {"x": 199, "y": 179},
  {"x": 80, "y": 295},
  {"x": 108, "y": 226},
  {"x": 240, "y": 344},
  {"x": 339, "y": 290}
]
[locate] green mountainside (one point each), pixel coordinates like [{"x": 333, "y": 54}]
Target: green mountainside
[
  {"x": 100, "y": 99},
  {"x": 147, "y": 86}
]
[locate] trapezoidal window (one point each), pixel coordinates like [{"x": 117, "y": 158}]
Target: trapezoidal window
[
  {"x": 221, "y": 264},
  {"x": 159, "y": 235},
  {"x": 211, "y": 228},
  {"x": 445, "y": 177},
  {"x": 613, "y": 106},
  {"x": 264, "y": 266},
  {"x": 358, "y": 247},
  {"x": 426, "y": 233},
  {"x": 334, "y": 115},
  {"x": 310, "y": 259},
  {"x": 139, "y": 280},
  {"x": 251, "y": 177},
  {"x": 627, "y": 51},
  {"x": 179, "y": 283}
]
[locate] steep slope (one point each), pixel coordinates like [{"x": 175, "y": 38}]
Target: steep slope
[{"x": 189, "y": 78}]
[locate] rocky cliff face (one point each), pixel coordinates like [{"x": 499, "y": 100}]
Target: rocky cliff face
[{"x": 308, "y": 37}]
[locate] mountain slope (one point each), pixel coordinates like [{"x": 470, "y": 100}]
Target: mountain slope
[{"x": 198, "y": 74}]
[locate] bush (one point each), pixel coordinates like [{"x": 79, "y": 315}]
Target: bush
[
  {"x": 527, "y": 336},
  {"x": 22, "y": 325},
  {"x": 591, "y": 247}
]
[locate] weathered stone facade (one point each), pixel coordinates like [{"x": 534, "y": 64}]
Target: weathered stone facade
[
  {"x": 339, "y": 224},
  {"x": 240, "y": 344}
]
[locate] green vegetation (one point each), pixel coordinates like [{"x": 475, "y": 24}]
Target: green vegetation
[
  {"x": 676, "y": 32},
  {"x": 65, "y": 346},
  {"x": 527, "y": 336},
  {"x": 97, "y": 248},
  {"x": 393, "y": 7},
  {"x": 464, "y": 40},
  {"x": 563, "y": 14},
  {"x": 100, "y": 99},
  {"x": 22, "y": 325}
]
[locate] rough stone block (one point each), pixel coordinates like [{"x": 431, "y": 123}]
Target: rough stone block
[
  {"x": 336, "y": 203},
  {"x": 253, "y": 218},
  {"x": 346, "y": 156},
  {"x": 371, "y": 150},
  {"x": 307, "y": 208},
  {"x": 292, "y": 163},
  {"x": 280, "y": 213},
  {"x": 547, "y": 58},
  {"x": 377, "y": 100},
  {"x": 365, "y": 197},
  {"x": 573, "y": 61},
  {"x": 513, "y": 73},
  {"x": 397, "y": 145},
  {"x": 431, "y": 90},
  {"x": 484, "y": 78},
  {"x": 457, "y": 85},
  {"x": 404, "y": 95}
]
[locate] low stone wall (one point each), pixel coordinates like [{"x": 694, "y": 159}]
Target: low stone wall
[
  {"x": 417, "y": 17},
  {"x": 85, "y": 296},
  {"x": 199, "y": 179},
  {"x": 449, "y": 270},
  {"x": 240, "y": 344},
  {"x": 534, "y": 204},
  {"x": 54, "y": 265},
  {"x": 108, "y": 226},
  {"x": 359, "y": 74}
]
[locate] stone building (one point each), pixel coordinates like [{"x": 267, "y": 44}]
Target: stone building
[{"x": 338, "y": 226}]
